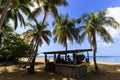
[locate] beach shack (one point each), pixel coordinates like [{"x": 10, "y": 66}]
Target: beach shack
[{"x": 76, "y": 67}]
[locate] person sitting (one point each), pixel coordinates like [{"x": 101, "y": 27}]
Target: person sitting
[
  {"x": 59, "y": 60},
  {"x": 80, "y": 58},
  {"x": 68, "y": 60}
]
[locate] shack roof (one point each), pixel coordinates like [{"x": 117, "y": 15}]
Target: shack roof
[{"x": 68, "y": 51}]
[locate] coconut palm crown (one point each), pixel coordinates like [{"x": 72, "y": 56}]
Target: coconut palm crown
[
  {"x": 16, "y": 10},
  {"x": 48, "y": 6},
  {"x": 65, "y": 30}
]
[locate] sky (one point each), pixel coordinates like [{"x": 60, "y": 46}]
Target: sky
[{"x": 75, "y": 9}]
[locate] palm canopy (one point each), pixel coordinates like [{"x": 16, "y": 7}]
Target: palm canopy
[
  {"x": 16, "y": 10},
  {"x": 48, "y": 6},
  {"x": 37, "y": 34},
  {"x": 65, "y": 30},
  {"x": 94, "y": 23}
]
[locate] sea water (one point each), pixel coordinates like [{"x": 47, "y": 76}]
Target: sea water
[{"x": 113, "y": 59}]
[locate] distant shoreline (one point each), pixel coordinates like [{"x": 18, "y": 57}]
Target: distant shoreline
[
  {"x": 107, "y": 59},
  {"x": 91, "y": 62}
]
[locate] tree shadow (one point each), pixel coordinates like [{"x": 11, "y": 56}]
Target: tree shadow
[
  {"x": 40, "y": 74},
  {"x": 22, "y": 75},
  {"x": 106, "y": 72}
]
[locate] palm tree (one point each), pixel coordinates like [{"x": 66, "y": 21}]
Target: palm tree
[
  {"x": 16, "y": 11},
  {"x": 36, "y": 35},
  {"x": 48, "y": 6},
  {"x": 4, "y": 12},
  {"x": 93, "y": 24},
  {"x": 65, "y": 30}
]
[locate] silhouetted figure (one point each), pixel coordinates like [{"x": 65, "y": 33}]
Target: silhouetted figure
[
  {"x": 68, "y": 60},
  {"x": 80, "y": 58},
  {"x": 59, "y": 59}
]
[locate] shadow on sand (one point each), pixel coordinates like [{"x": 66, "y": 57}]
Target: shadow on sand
[{"x": 107, "y": 72}]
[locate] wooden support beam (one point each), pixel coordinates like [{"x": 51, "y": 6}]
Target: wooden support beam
[
  {"x": 45, "y": 58},
  {"x": 74, "y": 59},
  {"x": 87, "y": 57},
  {"x": 54, "y": 58}
]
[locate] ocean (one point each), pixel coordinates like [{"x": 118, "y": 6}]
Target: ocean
[{"x": 113, "y": 59}]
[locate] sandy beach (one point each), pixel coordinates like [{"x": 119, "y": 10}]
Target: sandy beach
[{"x": 107, "y": 71}]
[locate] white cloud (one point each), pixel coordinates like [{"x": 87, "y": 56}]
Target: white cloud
[
  {"x": 115, "y": 33},
  {"x": 103, "y": 44},
  {"x": 115, "y": 13}
]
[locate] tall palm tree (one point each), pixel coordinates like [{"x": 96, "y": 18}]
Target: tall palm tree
[
  {"x": 48, "y": 6},
  {"x": 36, "y": 35},
  {"x": 4, "y": 12},
  {"x": 93, "y": 24},
  {"x": 16, "y": 10},
  {"x": 65, "y": 30}
]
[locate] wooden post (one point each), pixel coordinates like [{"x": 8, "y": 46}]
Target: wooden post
[
  {"x": 87, "y": 57},
  {"x": 45, "y": 58},
  {"x": 65, "y": 56},
  {"x": 74, "y": 59},
  {"x": 55, "y": 58}
]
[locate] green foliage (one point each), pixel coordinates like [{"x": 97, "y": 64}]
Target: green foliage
[
  {"x": 14, "y": 48},
  {"x": 16, "y": 11},
  {"x": 65, "y": 30}
]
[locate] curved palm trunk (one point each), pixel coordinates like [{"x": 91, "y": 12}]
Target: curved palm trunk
[
  {"x": 95, "y": 50},
  {"x": 31, "y": 70},
  {"x": 4, "y": 12}
]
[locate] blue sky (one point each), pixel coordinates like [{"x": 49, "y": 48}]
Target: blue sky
[{"x": 75, "y": 9}]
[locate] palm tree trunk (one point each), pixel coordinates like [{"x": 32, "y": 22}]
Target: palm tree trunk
[
  {"x": 31, "y": 70},
  {"x": 0, "y": 2},
  {"x": 94, "y": 58},
  {"x": 95, "y": 51},
  {"x": 4, "y": 12},
  {"x": 66, "y": 47}
]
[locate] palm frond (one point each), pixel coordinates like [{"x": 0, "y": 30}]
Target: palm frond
[
  {"x": 47, "y": 32},
  {"x": 20, "y": 17},
  {"x": 104, "y": 34},
  {"x": 45, "y": 15},
  {"x": 15, "y": 21},
  {"x": 25, "y": 9},
  {"x": 82, "y": 37},
  {"x": 35, "y": 13},
  {"x": 46, "y": 39},
  {"x": 55, "y": 12}
]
